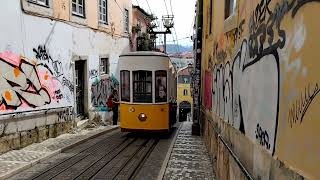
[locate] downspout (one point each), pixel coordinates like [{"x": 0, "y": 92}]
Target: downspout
[{"x": 73, "y": 64}]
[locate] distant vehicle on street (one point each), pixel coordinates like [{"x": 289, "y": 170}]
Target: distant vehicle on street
[{"x": 148, "y": 92}]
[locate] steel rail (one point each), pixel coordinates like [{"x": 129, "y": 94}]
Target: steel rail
[
  {"x": 131, "y": 157},
  {"x": 142, "y": 160},
  {"x": 95, "y": 146},
  {"x": 109, "y": 160}
]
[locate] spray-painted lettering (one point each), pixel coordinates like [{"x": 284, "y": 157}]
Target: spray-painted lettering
[{"x": 21, "y": 84}]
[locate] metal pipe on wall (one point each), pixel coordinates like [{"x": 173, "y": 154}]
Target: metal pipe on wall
[{"x": 29, "y": 113}]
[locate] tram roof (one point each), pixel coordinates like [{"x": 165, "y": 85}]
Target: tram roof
[{"x": 144, "y": 53}]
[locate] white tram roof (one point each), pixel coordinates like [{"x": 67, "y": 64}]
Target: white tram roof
[
  {"x": 144, "y": 53},
  {"x": 162, "y": 60}
]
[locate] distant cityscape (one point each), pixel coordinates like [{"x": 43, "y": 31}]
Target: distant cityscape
[
  {"x": 178, "y": 51},
  {"x": 181, "y": 56}
]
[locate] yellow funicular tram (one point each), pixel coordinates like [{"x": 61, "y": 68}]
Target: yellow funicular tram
[{"x": 147, "y": 92}]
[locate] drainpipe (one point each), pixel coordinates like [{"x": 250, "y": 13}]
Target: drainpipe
[{"x": 197, "y": 70}]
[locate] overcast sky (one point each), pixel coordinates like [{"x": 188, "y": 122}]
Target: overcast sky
[{"x": 183, "y": 11}]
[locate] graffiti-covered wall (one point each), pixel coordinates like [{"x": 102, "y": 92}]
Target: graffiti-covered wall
[
  {"x": 101, "y": 89},
  {"x": 32, "y": 84},
  {"x": 40, "y": 52},
  {"x": 37, "y": 58},
  {"x": 265, "y": 75}
]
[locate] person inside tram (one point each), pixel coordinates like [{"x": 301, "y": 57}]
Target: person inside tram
[{"x": 162, "y": 89}]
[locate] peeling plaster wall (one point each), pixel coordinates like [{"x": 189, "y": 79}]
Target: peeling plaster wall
[
  {"x": 265, "y": 84},
  {"x": 37, "y": 66}
]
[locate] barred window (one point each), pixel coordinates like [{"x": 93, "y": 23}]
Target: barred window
[
  {"x": 125, "y": 85},
  {"x": 104, "y": 66},
  {"x": 126, "y": 20},
  {"x": 161, "y": 86},
  {"x": 142, "y": 86}
]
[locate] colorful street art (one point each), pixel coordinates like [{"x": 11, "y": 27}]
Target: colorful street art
[
  {"x": 27, "y": 85},
  {"x": 266, "y": 77},
  {"x": 101, "y": 89},
  {"x": 255, "y": 72},
  {"x": 20, "y": 84}
]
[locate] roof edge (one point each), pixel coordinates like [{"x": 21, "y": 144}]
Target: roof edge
[{"x": 142, "y": 11}]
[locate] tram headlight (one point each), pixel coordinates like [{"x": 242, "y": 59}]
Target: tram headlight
[{"x": 142, "y": 117}]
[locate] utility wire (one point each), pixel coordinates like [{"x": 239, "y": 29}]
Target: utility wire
[
  {"x": 152, "y": 12},
  {"x": 149, "y": 6},
  {"x": 119, "y": 7},
  {"x": 180, "y": 39},
  {"x": 175, "y": 33},
  {"x": 171, "y": 7},
  {"x": 175, "y": 38},
  {"x": 138, "y": 3},
  {"x": 166, "y": 6}
]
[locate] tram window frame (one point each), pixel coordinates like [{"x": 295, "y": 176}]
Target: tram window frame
[
  {"x": 123, "y": 74},
  {"x": 161, "y": 74},
  {"x": 141, "y": 80}
]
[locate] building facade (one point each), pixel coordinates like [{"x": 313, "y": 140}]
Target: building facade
[
  {"x": 58, "y": 64},
  {"x": 141, "y": 24},
  {"x": 260, "y": 74},
  {"x": 184, "y": 98}
]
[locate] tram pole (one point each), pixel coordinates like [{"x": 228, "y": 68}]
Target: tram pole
[
  {"x": 165, "y": 43},
  {"x": 167, "y": 23}
]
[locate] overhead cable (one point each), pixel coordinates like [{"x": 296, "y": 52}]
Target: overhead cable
[
  {"x": 138, "y": 3},
  {"x": 171, "y": 7},
  {"x": 166, "y": 6}
]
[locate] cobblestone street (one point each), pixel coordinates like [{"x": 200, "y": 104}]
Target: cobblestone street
[
  {"x": 107, "y": 156},
  {"x": 189, "y": 158}
]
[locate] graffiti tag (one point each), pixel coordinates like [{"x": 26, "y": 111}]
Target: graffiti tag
[
  {"x": 68, "y": 84},
  {"x": 55, "y": 67},
  {"x": 93, "y": 73},
  {"x": 21, "y": 84},
  {"x": 262, "y": 137},
  {"x": 300, "y": 107},
  {"x": 100, "y": 92}
]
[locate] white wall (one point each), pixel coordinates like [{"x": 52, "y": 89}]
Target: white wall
[{"x": 36, "y": 39}]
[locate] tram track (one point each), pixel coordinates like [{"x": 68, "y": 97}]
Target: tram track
[
  {"x": 132, "y": 174},
  {"x": 125, "y": 164},
  {"x": 98, "y": 165},
  {"x": 115, "y": 157},
  {"x": 78, "y": 156}
]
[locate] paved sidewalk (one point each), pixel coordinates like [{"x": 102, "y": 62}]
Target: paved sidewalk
[
  {"x": 15, "y": 161},
  {"x": 189, "y": 158}
]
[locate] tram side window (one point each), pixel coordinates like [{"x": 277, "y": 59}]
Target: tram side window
[
  {"x": 142, "y": 86},
  {"x": 161, "y": 86},
  {"x": 125, "y": 86}
]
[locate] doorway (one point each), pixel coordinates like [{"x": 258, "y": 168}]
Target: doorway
[
  {"x": 184, "y": 110},
  {"x": 79, "y": 82}
]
